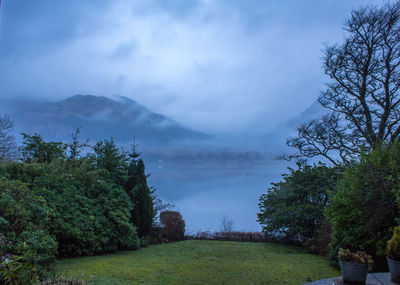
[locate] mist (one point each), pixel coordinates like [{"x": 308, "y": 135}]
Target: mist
[
  {"x": 213, "y": 77},
  {"x": 236, "y": 68}
]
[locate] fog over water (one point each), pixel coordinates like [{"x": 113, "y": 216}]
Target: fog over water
[{"x": 203, "y": 192}]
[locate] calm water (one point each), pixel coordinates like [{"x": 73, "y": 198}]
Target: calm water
[{"x": 204, "y": 191}]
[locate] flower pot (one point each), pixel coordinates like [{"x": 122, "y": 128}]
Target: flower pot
[
  {"x": 394, "y": 267},
  {"x": 354, "y": 273}
]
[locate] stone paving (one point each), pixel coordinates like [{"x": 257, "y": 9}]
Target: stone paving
[{"x": 373, "y": 279}]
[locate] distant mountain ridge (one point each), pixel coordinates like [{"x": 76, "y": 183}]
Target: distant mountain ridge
[
  {"x": 98, "y": 117},
  {"x": 313, "y": 112}
]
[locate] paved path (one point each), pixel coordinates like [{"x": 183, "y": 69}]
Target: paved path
[{"x": 373, "y": 279}]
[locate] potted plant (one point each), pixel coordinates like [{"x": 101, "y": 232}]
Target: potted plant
[
  {"x": 393, "y": 255},
  {"x": 354, "y": 266}
]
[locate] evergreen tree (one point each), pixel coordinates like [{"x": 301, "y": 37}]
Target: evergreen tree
[
  {"x": 35, "y": 149},
  {"x": 110, "y": 157},
  {"x": 140, "y": 194}
]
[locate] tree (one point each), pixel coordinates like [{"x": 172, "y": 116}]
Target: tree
[
  {"x": 35, "y": 149},
  {"x": 7, "y": 141},
  {"x": 226, "y": 225},
  {"x": 112, "y": 159},
  {"x": 294, "y": 208},
  {"x": 173, "y": 225},
  {"x": 136, "y": 187},
  {"x": 159, "y": 206},
  {"x": 365, "y": 208},
  {"x": 363, "y": 95},
  {"x": 76, "y": 145}
]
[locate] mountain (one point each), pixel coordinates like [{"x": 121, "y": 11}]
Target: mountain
[
  {"x": 313, "y": 112},
  {"x": 98, "y": 117}
]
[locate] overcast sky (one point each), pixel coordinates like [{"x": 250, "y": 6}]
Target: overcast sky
[{"x": 230, "y": 66}]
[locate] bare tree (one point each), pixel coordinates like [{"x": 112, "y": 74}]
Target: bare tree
[
  {"x": 226, "y": 225},
  {"x": 76, "y": 145},
  {"x": 7, "y": 141},
  {"x": 159, "y": 206},
  {"x": 363, "y": 92}
]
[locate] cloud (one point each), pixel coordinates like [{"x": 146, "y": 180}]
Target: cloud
[{"x": 217, "y": 66}]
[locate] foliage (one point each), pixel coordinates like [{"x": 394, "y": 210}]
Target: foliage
[
  {"x": 393, "y": 245},
  {"x": 111, "y": 159},
  {"x": 53, "y": 204},
  {"x": 319, "y": 244},
  {"x": 10, "y": 264},
  {"x": 294, "y": 208},
  {"x": 362, "y": 94},
  {"x": 35, "y": 149},
  {"x": 24, "y": 219},
  {"x": 90, "y": 213},
  {"x": 173, "y": 226},
  {"x": 27, "y": 260},
  {"x": 139, "y": 192},
  {"x": 364, "y": 210},
  {"x": 198, "y": 262},
  {"x": 359, "y": 257}
]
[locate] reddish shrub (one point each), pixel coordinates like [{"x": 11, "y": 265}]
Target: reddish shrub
[
  {"x": 172, "y": 226},
  {"x": 319, "y": 244}
]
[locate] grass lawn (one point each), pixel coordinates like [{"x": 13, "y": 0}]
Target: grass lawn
[{"x": 201, "y": 262}]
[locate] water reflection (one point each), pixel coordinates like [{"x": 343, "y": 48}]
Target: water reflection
[{"x": 204, "y": 191}]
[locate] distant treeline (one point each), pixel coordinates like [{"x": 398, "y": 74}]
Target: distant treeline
[
  {"x": 232, "y": 236},
  {"x": 204, "y": 155}
]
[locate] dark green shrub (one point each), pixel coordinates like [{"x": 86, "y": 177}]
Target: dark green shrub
[
  {"x": 24, "y": 218},
  {"x": 10, "y": 264},
  {"x": 294, "y": 208},
  {"x": 91, "y": 212},
  {"x": 364, "y": 209}
]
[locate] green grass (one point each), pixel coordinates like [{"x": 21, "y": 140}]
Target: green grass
[{"x": 202, "y": 262}]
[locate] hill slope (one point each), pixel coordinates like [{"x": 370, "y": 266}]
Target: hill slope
[{"x": 99, "y": 117}]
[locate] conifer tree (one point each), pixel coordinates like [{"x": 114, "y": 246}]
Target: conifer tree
[{"x": 140, "y": 194}]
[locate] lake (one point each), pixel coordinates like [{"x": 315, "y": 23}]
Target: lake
[{"x": 204, "y": 191}]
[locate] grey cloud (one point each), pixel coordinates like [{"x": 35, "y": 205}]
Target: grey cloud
[
  {"x": 230, "y": 64},
  {"x": 176, "y": 8}
]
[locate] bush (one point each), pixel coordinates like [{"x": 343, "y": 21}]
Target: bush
[
  {"x": 88, "y": 212},
  {"x": 10, "y": 264},
  {"x": 363, "y": 211},
  {"x": 293, "y": 209},
  {"x": 53, "y": 204},
  {"x": 320, "y": 243},
  {"x": 24, "y": 218},
  {"x": 172, "y": 226},
  {"x": 393, "y": 245}
]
